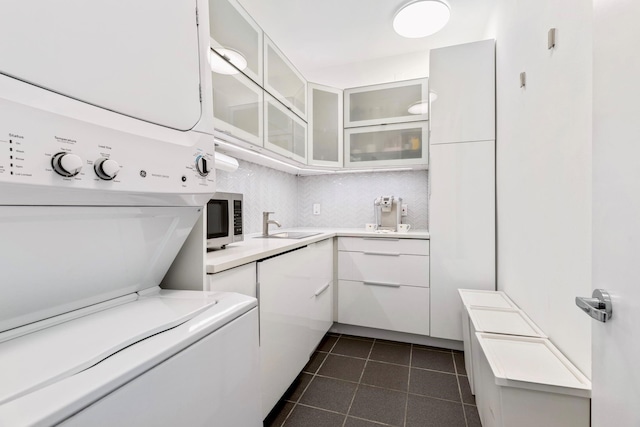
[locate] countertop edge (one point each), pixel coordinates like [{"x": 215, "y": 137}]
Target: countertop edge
[{"x": 226, "y": 259}]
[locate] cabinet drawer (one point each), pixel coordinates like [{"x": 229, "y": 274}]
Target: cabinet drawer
[
  {"x": 401, "y": 309},
  {"x": 383, "y": 244},
  {"x": 410, "y": 270}
]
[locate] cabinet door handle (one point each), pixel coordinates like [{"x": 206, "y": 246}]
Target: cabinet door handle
[
  {"x": 385, "y": 239},
  {"x": 382, "y": 253},
  {"x": 323, "y": 289},
  {"x": 388, "y": 285}
]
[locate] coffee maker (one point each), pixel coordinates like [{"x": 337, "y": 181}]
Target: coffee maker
[{"x": 388, "y": 212}]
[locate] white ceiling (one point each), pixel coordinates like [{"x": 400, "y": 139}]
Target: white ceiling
[{"x": 349, "y": 43}]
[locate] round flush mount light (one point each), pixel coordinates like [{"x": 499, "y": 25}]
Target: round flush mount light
[
  {"x": 226, "y": 61},
  {"x": 421, "y": 18}
]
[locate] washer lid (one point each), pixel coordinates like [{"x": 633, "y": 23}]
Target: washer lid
[
  {"x": 486, "y": 298},
  {"x": 35, "y": 360},
  {"x": 503, "y": 321},
  {"x": 532, "y": 363}
]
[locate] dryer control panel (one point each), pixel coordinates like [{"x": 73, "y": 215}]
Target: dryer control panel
[{"x": 41, "y": 148}]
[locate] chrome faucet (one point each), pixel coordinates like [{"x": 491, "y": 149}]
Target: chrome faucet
[{"x": 266, "y": 221}]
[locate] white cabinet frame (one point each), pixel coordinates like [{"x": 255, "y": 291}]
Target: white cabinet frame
[
  {"x": 388, "y": 87},
  {"x": 269, "y": 100},
  {"x": 423, "y": 127},
  {"x": 311, "y": 126},
  {"x": 276, "y": 92},
  {"x": 237, "y": 132},
  {"x": 255, "y": 76}
]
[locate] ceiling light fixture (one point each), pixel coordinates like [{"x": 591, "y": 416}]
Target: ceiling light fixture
[
  {"x": 226, "y": 61},
  {"x": 421, "y": 18}
]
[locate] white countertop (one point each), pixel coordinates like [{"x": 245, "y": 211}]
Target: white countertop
[{"x": 254, "y": 248}]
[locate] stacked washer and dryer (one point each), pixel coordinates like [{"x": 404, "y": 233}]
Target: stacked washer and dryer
[{"x": 105, "y": 163}]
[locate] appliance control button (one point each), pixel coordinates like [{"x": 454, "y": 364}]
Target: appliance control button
[
  {"x": 106, "y": 169},
  {"x": 66, "y": 164},
  {"x": 203, "y": 166}
]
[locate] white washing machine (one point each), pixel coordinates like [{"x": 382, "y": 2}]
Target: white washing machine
[{"x": 105, "y": 164}]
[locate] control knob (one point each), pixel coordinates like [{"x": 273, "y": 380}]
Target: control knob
[
  {"x": 203, "y": 166},
  {"x": 66, "y": 164},
  {"x": 106, "y": 169}
]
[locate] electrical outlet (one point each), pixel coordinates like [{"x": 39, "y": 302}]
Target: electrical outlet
[
  {"x": 316, "y": 208},
  {"x": 405, "y": 209}
]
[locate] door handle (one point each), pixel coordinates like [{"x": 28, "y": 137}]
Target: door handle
[{"x": 598, "y": 306}]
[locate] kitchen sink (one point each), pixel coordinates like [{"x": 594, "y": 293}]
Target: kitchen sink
[{"x": 289, "y": 235}]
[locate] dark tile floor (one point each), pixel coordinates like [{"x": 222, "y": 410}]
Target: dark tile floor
[{"x": 360, "y": 382}]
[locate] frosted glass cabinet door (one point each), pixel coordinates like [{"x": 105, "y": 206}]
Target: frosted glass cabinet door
[
  {"x": 387, "y": 145},
  {"x": 285, "y": 133},
  {"x": 386, "y": 103},
  {"x": 237, "y": 107},
  {"x": 326, "y": 147},
  {"x": 231, "y": 27},
  {"x": 282, "y": 80}
]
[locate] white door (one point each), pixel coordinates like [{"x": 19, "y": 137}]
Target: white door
[{"x": 616, "y": 211}]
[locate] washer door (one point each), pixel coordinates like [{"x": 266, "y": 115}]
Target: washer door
[{"x": 135, "y": 58}]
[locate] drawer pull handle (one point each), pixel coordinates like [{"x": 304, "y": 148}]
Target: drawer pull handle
[
  {"x": 323, "y": 289},
  {"x": 383, "y": 253},
  {"x": 388, "y": 285},
  {"x": 379, "y": 239}
]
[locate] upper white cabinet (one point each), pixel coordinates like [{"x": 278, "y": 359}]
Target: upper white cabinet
[
  {"x": 232, "y": 28},
  {"x": 283, "y": 81},
  {"x": 238, "y": 107},
  {"x": 387, "y": 145},
  {"x": 462, "y": 83},
  {"x": 285, "y": 132},
  {"x": 326, "y": 146},
  {"x": 385, "y": 103}
]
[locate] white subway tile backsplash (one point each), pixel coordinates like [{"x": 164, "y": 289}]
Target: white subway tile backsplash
[
  {"x": 346, "y": 200},
  {"x": 264, "y": 189}
]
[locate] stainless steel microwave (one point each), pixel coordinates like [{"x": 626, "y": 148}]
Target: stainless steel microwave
[{"x": 224, "y": 220}]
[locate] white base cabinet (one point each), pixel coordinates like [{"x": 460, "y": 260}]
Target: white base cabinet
[
  {"x": 384, "y": 283},
  {"x": 395, "y": 308},
  {"x": 241, "y": 280},
  {"x": 296, "y": 309}
]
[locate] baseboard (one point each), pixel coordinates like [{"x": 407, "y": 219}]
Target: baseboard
[{"x": 383, "y": 334}]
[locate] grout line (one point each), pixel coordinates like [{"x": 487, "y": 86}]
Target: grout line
[
  {"x": 455, "y": 368},
  {"x": 406, "y": 405},
  {"x": 313, "y": 376},
  {"x": 359, "y": 382}
]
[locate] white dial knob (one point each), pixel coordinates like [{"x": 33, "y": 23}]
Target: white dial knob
[
  {"x": 203, "y": 166},
  {"x": 106, "y": 169},
  {"x": 66, "y": 164}
]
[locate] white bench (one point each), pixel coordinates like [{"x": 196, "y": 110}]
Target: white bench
[{"x": 519, "y": 377}]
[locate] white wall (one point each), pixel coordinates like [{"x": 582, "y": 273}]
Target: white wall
[{"x": 544, "y": 165}]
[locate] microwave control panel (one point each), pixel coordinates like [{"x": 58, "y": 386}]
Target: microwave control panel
[{"x": 237, "y": 217}]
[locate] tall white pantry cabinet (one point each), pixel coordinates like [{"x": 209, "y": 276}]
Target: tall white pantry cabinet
[{"x": 462, "y": 179}]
